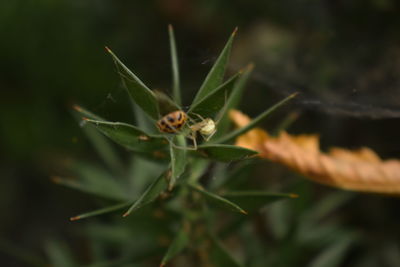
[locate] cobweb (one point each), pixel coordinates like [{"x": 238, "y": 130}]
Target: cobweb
[{"x": 367, "y": 104}]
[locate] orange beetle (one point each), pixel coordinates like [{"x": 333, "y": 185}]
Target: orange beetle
[{"x": 172, "y": 122}]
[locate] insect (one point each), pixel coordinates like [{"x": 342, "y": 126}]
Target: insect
[
  {"x": 172, "y": 122},
  {"x": 175, "y": 121},
  {"x": 206, "y": 127}
]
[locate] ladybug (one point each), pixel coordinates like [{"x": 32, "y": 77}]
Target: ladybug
[{"x": 172, "y": 122}]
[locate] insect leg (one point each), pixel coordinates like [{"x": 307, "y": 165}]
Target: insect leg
[
  {"x": 180, "y": 147},
  {"x": 198, "y": 115},
  {"x": 194, "y": 141},
  {"x": 207, "y": 138}
]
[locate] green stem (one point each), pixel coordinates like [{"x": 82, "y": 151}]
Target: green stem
[{"x": 176, "y": 90}]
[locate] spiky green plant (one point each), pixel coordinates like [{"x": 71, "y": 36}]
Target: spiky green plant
[{"x": 169, "y": 188}]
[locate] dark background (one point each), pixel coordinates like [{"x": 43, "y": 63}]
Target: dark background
[{"x": 343, "y": 56}]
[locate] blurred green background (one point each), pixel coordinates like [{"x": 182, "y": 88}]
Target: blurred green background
[{"x": 343, "y": 56}]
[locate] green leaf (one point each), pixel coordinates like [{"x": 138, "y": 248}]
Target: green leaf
[
  {"x": 177, "y": 245},
  {"x": 254, "y": 200},
  {"x": 197, "y": 169},
  {"x": 215, "y": 100},
  {"x": 142, "y": 121},
  {"x": 178, "y": 159},
  {"x": 286, "y": 122},
  {"x": 141, "y": 171},
  {"x": 86, "y": 113},
  {"x": 93, "y": 180},
  {"x": 232, "y": 102},
  {"x": 324, "y": 207},
  {"x": 132, "y": 137},
  {"x": 104, "y": 148},
  {"x": 334, "y": 254},
  {"x": 59, "y": 254},
  {"x": 138, "y": 91},
  {"x": 311, "y": 217},
  {"x": 101, "y": 211},
  {"x": 220, "y": 256},
  {"x": 176, "y": 90},
  {"x": 216, "y": 74},
  {"x": 102, "y": 145},
  {"x": 151, "y": 193},
  {"x": 224, "y": 152},
  {"x": 218, "y": 200},
  {"x": 236, "y": 178},
  {"x": 165, "y": 103},
  {"x": 254, "y": 122}
]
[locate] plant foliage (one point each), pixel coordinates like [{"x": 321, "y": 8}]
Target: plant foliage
[{"x": 169, "y": 174}]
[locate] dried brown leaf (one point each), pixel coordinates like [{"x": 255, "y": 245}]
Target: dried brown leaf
[{"x": 358, "y": 170}]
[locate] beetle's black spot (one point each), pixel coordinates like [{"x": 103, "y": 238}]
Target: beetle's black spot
[
  {"x": 162, "y": 123},
  {"x": 179, "y": 116},
  {"x": 171, "y": 119}
]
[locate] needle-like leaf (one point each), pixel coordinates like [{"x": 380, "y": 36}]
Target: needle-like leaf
[
  {"x": 165, "y": 103},
  {"x": 178, "y": 160},
  {"x": 86, "y": 113},
  {"x": 216, "y": 74},
  {"x": 220, "y": 256},
  {"x": 218, "y": 200},
  {"x": 254, "y": 200},
  {"x": 151, "y": 193},
  {"x": 132, "y": 137},
  {"x": 224, "y": 152},
  {"x": 138, "y": 91},
  {"x": 178, "y": 244},
  {"x": 100, "y": 143},
  {"x": 176, "y": 89},
  {"x": 59, "y": 254},
  {"x": 101, "y": 211},
  {"x": 94, "y": 180},
  {"x": 254, "y": 122},
  {"x": 232, "y": 102},
  {"x": 215, "y": 100}
]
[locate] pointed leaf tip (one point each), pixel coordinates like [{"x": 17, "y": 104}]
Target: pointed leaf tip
[
  {"x": 248, "y": 68},
  {"x": 107, "y": 49},
  {"x": 294, "y": 195},
  {"x": 131, "y": 137},
  {"x": 55, "y": 179},
  {"x": 152, "y": 192},
  {"x": 235, "y": 31},
  {"x": 178, "y": 244},
  {"x": 176, "y": 88},
  {"x": 75, "y": 218},
  {"x": 217, "y": 200},
  {"x": 215, "y": 100},
  {"x": 215, "y": 76},
  {"x": 251, "y": 201},
  {"x": 100, "y": 211},
  {"x": 77, "y": 108},
  {"x": 137, "y": 90}
]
